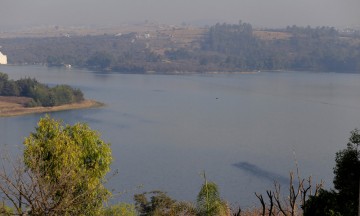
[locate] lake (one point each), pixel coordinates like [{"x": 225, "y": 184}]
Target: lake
[{"x": 243, "y": 130}]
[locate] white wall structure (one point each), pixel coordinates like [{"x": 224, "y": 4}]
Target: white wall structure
[{"x": 3, "y": 59}]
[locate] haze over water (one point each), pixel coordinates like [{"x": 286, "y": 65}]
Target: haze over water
[{"x": 167, "y": 129}]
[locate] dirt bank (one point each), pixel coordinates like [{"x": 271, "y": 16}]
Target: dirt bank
[{"x": 14, "y": 106}]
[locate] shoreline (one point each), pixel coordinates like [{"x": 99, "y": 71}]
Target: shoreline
[{"x": 12, "y": 106}]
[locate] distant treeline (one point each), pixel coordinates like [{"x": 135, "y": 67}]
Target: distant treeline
[
  {"x": 316, "y": 49},
  {"x": 42, "y": 95},
  {"x": 95, "y": 52},
  {"x": 223, "y": 47}
]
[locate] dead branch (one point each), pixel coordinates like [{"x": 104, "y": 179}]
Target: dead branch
[{"x": 261, "y": 199}]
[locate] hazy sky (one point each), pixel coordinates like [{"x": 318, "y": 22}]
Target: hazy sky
[{"x": 260, "y": 13}]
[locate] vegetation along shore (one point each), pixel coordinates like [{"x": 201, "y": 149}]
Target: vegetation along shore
[{"x": 27, "y": 96}]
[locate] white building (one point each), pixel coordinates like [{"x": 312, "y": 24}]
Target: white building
[{"x": 3, "y": 59}]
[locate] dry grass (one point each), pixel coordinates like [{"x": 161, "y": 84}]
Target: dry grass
[
  {"x": 251, "y": 212},
  {"x": 15, "y": 106}
]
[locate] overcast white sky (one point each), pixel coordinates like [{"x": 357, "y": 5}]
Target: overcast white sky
[{"x": 260, "y": 13}]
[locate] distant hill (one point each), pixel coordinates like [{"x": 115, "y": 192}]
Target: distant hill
[{"x": 170, "y": 49}]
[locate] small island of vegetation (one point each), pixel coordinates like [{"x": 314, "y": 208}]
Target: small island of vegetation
[{"x": 27, "y": 95}]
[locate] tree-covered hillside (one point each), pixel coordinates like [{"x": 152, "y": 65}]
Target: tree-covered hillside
[
  {"x": 315, "y": 49},
  {"x": 222, "y": 47}
]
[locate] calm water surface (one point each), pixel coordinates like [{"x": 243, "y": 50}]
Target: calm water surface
[{"x": 167, "y": 129}]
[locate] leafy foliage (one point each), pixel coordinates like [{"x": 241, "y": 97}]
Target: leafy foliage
[
  {"x": 121, "y": 209},
  {"x": 100, "y": 60},
  {"x": 41, "y": 94},
  {"x": 231, "y": 39},
  {"x": 347, "y": 175},
  {"x": 159, "y": 203},
  {"x": 324, "y": 203},
  {"x": 5, "y": 210},
  {"x": 77, "y": 152},
  {"x": 209, "y": 202},
  {"x": 345, "y": 199}
]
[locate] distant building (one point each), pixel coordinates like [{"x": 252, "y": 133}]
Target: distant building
[{"x": 3, "y": 59}]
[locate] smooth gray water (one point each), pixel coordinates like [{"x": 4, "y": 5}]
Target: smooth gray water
[{"x": 242, "y": 129}]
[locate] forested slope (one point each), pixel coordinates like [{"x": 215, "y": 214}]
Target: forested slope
[{"x": 222, "y": 47}]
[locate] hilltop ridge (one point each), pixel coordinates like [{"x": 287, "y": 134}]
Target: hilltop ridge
[{"x": 157, "y": 48}]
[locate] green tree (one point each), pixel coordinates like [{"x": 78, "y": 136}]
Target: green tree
[
  {"x": 64, "y": 94},
  {"x": 10, "y": 88},
  {"x": 159, "y": 203},
  {"x": 344, "y": 199},
  {"x": 347, "y": 175},
  {"x": 324, "y": 203},
  {"x": 209, "y": 202},
  {"x": 100, "y": 60},
  {"x": 121, "y": 209},
  {"x": 42, "y": 95},
  {"x": 71, "y": 162},
  {"x": 54, "y": 61},
  {"x": 25, "y": 85},
  {"x": 3, "y": 77},
  {"x": 7, "y": 87}
]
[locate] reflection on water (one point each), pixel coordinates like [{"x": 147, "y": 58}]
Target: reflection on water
[{"x": 166, "y": 129}]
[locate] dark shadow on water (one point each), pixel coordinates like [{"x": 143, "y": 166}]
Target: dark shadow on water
[{"x": 261, "y": 173}]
